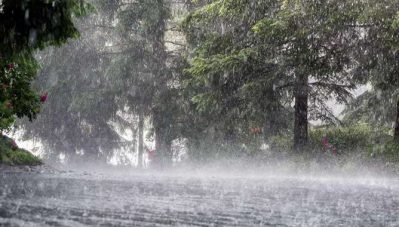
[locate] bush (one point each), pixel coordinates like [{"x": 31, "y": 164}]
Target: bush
[
  {"x": 388, "y": 152},
  {"x": 281, "y": 143},
  {"x": 10, "y": 154},
  {"x": 345, "y": 139},
  {"x": 17, "y": 98},
  {"x": 349, "y": 138}
]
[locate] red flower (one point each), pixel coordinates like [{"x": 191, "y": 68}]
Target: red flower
[
  {"x": 325, "y": 142},
  {"x": 10, "y": 66},
  {"x": 255, "y": 130},
  {"x": 43, "y": 98}
]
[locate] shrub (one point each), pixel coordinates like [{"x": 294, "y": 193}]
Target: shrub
[
  {"x": 343, "y": 138},
  {"x": 349, "y": 138},
  {"x": 388, "y": 152},
  {"x": 281, "y": 143},
  {"x": 17, "y": 99},
  {"x": 10, "y": 154}
]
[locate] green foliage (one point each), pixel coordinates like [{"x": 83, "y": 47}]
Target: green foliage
[
  {"x": 379, "y": 59},
  {"x": 118, "y": 65},
  {"x": 140, "y": 68},
  {"x": 348, "y": 138},
  {"x": 388, "y": 152},
  {"x": 229, "y": 73},
  {"x": 145, "y": 17},
  {"x": 17, "y": 99},
  {"x": 238, "y": 44},
  {"x": 10, "y": 154},
  {"x": 27, "y": 26},
  {"x": 78, "y": 92},
  {"x": 280, "y": 143},
  {"x": 209, "y": 148},
  {"x": 19, "y": 157},
  {"x": 376, "y": 107}
]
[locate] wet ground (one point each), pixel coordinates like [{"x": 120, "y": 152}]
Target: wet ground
[{"x": 65, "y": 199}]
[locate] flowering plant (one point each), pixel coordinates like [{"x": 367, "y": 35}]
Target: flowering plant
[{"x": 17, "y": 98}]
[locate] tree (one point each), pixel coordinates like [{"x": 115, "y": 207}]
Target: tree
[
  {"x": 27, "y": 26},
  {"x": 379, "y": 58},
  {"x": 119, "y": 65},
  {"x": 76, "y": 75},
  {"x": 294, "y": 49},
  {"x": 142, "y": 69},
  {"x": 228, "y": 76},
  {"x": 315, "y": 43}
]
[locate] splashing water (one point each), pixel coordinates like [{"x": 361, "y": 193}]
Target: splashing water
[{"x": 197, "y": 199}]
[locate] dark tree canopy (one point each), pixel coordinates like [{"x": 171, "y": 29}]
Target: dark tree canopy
[{"x": 25, "y": 27}]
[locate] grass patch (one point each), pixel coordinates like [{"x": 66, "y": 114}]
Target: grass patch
[{"x": 10, "y": 154}]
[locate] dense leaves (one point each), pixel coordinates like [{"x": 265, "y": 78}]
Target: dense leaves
[
  {"x": 307, "y": 52},
  {"x": 27, "y": 26}
]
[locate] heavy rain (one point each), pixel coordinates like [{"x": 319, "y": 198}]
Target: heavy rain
[{"x": 199, "y": 113}]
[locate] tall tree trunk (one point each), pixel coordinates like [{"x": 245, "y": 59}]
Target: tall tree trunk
[
  {"x": 301, "y": 113},
  {"x": 397, "y": 122},
  {"x": 162, "y": 74},
  {"x": 141, "y": 140},
  {"x": 163, "y": 155},
  {"x": 271, "y": 127}
]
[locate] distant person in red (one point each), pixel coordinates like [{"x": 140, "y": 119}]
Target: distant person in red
[{"x": 328, "y": 146}]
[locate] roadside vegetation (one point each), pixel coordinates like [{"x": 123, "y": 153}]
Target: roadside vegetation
[
  {"x": 347, "y": 148},
  {"x": 11, "y": 154}
]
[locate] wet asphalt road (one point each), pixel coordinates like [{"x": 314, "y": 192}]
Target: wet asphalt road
[{"x": 155, "y": 200}]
